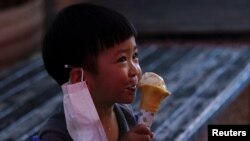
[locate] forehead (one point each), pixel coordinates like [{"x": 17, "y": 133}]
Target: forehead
[{"x": 128, "y": 45}]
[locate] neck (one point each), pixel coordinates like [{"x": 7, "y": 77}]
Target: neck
[
  {"x": 108, "y": 118},
  {"x": 104, "y": 111}
]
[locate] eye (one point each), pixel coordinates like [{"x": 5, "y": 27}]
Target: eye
[
  {"x": 122, "y": 59},
  {"x": 135, "y": 56}
]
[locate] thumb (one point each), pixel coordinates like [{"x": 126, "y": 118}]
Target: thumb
[{"x": 143, "y": 129}]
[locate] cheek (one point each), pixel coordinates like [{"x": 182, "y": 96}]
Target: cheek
[
  {"x": 114, "y": 77},
  {"x": 115, "y": 81},
  {"x": 110, "y": 78}
]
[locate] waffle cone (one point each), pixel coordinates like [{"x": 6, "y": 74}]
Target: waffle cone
[{"x": 151, "y": 97}]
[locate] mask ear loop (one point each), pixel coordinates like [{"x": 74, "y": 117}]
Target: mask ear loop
[
  {"x": 66, "y": 66},
  {"x": 82, "y": 75}
]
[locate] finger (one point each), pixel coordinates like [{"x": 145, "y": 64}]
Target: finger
[
  {"x": 142, "y": 129},
  {"x": 141, "y": 137},
  {"x": 151, "y": 135}
]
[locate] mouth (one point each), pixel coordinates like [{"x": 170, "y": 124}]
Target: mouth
[{"x": 132, "y": 88}]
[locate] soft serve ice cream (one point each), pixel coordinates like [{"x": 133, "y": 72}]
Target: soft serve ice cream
[{"x": 153, "y": 91}]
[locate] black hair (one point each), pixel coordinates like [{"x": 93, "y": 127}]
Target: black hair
[{"x": 77, "y": 36}]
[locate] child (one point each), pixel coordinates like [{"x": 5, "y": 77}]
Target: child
[{"x": 98, "y": 46}]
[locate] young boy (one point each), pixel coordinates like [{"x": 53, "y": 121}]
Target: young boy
[{"x": 99, "y": 46}]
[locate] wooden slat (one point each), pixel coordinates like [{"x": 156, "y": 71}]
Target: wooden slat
[
  {"x": 21, "y": 30},
  {"x": 31, "y": 120},
  {"x": 24, "y": 11},
  {"x": 20, "y": 27}
]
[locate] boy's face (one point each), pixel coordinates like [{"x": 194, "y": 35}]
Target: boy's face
[{"x": 118, "y": 74}]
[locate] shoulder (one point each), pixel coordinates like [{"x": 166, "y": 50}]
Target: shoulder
[
  {"x": 55, "y": 128},
  {"x": 127, "y": 109},
  {"x": 126, "y": 112}
]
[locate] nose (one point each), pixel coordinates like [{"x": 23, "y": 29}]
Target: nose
[{"x": 134, "y": 69}]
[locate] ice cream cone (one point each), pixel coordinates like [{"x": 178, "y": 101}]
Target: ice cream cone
[
  {"x": 153, "y": 91},
  {"x": 151, "y": 97}
]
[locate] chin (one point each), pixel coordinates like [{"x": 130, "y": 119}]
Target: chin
[{"x": 128, "y": 100}]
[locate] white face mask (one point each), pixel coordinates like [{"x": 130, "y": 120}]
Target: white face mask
[{"x": 82, "y": 119}]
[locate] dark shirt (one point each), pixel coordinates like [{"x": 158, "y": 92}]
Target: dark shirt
[{"x": 55, "y": 128}]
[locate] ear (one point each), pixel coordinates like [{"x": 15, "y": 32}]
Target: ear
[{"x": 76, "y": 75}]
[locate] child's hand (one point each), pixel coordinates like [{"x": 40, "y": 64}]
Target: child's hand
[{"x": 139, "y": 133}]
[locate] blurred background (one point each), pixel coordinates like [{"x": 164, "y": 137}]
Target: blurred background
[
  {"x": 23, "y": 22},
  {"x": 210, "y": 37}
]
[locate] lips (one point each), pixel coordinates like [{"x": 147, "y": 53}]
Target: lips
[
  {"x": 132, "y": 88},
  {"x": 132, "y": 85}
]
